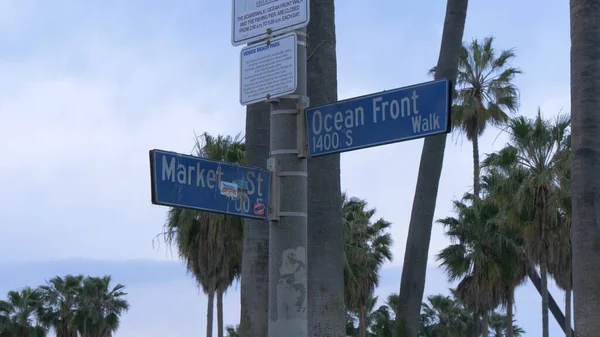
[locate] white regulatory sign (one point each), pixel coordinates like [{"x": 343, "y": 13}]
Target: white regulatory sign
[
  {"x": 268, "y": 69},
  {"x": 252, "y": 18}
]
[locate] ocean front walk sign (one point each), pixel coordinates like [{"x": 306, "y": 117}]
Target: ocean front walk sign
[
  {"x": 179, "y": 180},
  {"x": 255, "y": 20},
  {"x": 386, "y": 117}
]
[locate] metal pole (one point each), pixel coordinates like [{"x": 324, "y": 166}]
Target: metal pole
[{"x": 287, "y": 232}]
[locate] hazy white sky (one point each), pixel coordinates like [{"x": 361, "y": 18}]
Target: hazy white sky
[{"x": 87, "y": 88}]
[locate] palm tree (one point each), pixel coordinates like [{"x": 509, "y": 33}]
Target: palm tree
[
  {"x": 444, "y": 316},
  {"x": 414, "y": 267},
  {"x": 378, "y": 322},
  {"x": 19, "y": 314},
  {"x": 484, "y": 95},
  {"x": 536, "y": 148},
  {"x": 500, "y": 327},
  {"x": 233, "y": 331},
  {"x": 384, "y": 317},
  {"x": 99, "y": 307},
  {"x": 209, "y": 243},
  {"x": 585, "y": 164},
  {"x": 325, "y": 247},
  {"x": 254, "y": 283},
  {"x": 367, "y": 247},
  {"x": 499, "y": 189},
  {"x": 484, "y": 254},
  {"x": 60, "y": 296}
]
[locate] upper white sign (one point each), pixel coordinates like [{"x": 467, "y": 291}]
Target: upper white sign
[{"x": 253, "y": 20}]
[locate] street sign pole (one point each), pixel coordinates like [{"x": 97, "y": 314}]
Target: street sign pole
[{"x": 288, "y": 286}]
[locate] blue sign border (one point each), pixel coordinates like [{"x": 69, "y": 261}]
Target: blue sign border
[
  {"x": 154, "y": 180},
  {"x": 448, "y": 128}
]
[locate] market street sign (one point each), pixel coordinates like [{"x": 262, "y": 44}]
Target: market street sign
[
  {"x": 179, "y": 180},
  {"x": 255, "y": 20},
  {"x": 386, "y": 117}
]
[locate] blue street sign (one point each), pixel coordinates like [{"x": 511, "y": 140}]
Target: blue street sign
[
  {"x": 386, "y": 117},
  {"x": 179, "y": 180}
]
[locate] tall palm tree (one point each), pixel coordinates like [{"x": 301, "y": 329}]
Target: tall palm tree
[
  {"x": 536, "y": 148},
  {"x": 414, "y": 267},
  {"x": 560, "y": 248},
  {"x": 485, "y": 93},
  {"x": 484, "y": 254},
  {"x": 100, "y": 306},
  {"x": 210, "y": 244},
  {"x": 585, "y": 164},
  {"x": 60, "y": 296},
  {"x": 367, "y": 247},
  {"x": 254, "y": 283},
  {"x": 230, "y": 234},
  {"x": 325, "y": 248},
  {"x": 560, "y": 264},
  {"x": 19, "y": 314},
  {"x": 499, "y": 189}
]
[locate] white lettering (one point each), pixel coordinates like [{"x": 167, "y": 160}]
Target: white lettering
[
  {"x": 376, "y": 108},
  {"x": 211, "y": 177},
  {"x": 200, "y": 176},
  {"x": 338, "y": 119},
  {"x": 414, "y": 99},
  {"x": 260, "y": 180},
  {"x": 168, "y": 169},
  {"x": 181, "y": 174},
  {"x": 348, "y": 137},
  {"x": 326, "y": 125},
  {"x": 394, "y": 109},
  {"x": 416, "y": 121},
  {"x": 317, "y": 116},
  {"x": 251, "y": 186},
  {"x": 431, "y": 122},
  {"x": 405, "y": 102}
]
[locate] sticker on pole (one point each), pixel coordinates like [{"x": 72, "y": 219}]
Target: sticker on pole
[
  {"x": 268, "y": 70},
  {"x": 255, "y": 20}
]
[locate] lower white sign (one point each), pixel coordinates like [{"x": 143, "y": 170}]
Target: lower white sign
[{"x": 268, "y": 69}]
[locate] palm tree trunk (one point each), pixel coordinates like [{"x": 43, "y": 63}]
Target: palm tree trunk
[
  {"x": 326, "y": 310},
  {"x": 554, "y": 309},
  {"x": 220, "y": 313},
  {"x": 485, "y": 324},
  {"x": 509, "y": 313},
  {"x": 361, "y": 320},
  {"x": 544, "y": 272},
  {"x": 585, "y": 164},
  {"x": 254, "y": 283},
  {"x": 568, "y": 311},
  {"x": 476, "y": 324},
  {"x": 476, "y": 168},
  {"x": 414, "y": 268},
  {"x": 209, "y": 314}
]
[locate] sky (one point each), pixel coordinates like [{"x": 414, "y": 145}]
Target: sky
[{"x": 87, "y": 88}]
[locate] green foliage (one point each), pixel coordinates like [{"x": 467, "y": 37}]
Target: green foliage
[
  {"x": 484, "y": 89},
  {"x": 441, "y": 316},
  {"x": 210, "y": 244},
  {"x": 71, "y": 305},
  {"x": 366, "y": 247},
  {"x": 233, "y": 331}
]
